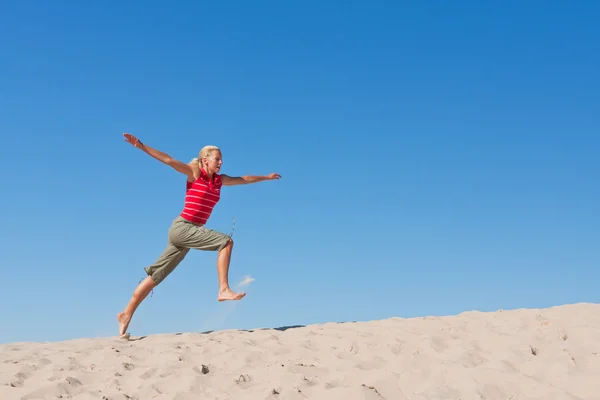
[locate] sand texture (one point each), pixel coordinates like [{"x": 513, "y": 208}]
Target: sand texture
[{"x": 551, "y": 354}]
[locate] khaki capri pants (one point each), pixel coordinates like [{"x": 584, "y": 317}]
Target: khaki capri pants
[{"x": 183, "y": 236}]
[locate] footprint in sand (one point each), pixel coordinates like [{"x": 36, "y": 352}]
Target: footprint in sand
[
  {"x": 20, "y": 379},
  {"x": 44, "y": 362},
  {"x": 396, "y": 349},
  {"x": 244, "y": 381},
  {"x": 332, "y": 384},
  {"x": 128, "y": 366},
  {"x": 244, "y": 378},
  {"x": 73, "y": 381},
  {"x": 438, "y": 344},
  {"x": 148, "y": 374},
  {"x": 471, "y": 359}
]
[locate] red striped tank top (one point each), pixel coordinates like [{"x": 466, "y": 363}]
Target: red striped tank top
[{"x": 201, "y": 197}]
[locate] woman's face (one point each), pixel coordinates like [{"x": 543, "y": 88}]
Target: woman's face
[{"x": 214, "y": 161}]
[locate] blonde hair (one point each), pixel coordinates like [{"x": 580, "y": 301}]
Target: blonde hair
[{"x": 205, "y": 152}]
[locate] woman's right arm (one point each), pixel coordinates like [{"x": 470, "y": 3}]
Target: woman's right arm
[{"x": 160, "y": 156}]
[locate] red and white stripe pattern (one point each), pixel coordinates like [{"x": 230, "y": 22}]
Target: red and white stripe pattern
[{"x": 200, "y": 198}]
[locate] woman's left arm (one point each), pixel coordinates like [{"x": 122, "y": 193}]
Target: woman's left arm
[{"x": 247, "y": 179}]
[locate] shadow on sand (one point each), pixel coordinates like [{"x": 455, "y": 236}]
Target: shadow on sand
[
  {"x": 136, "y": 339},
  {"x": 280, "y": 329}
]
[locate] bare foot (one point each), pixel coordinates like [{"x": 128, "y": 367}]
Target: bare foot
[
  {"x": 123, "y": 322},
  {"x": 228, "y": 294}
]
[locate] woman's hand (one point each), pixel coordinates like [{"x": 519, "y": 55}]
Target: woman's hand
[
  {"x": 274, "y": 176},
  {"x": 129, "y": 138}
]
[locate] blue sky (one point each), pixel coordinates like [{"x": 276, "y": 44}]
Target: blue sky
[{"x": 436, "y": 157}]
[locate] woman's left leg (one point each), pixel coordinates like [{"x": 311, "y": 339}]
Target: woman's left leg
[
  {"x": 199, "y": 237},
  {"x": 223, "y": 261}
]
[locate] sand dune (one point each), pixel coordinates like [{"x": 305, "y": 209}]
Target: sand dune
[{"x": 549, "y": 354}]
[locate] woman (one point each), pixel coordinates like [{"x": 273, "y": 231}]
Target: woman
[{"x": 188, "y": 230}]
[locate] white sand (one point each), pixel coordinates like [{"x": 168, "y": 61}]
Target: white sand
[{"x": 549, "y": 354}]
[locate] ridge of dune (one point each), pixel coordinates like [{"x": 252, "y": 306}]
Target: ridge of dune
[{"x": 550, "y": 353}]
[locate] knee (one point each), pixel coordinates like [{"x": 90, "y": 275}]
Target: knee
[{"x": 228, "y": 245}]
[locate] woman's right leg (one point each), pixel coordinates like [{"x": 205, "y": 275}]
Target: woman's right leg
[
  {"x": 157, "y": 272},
  {"x": 139, "y": 294}
]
